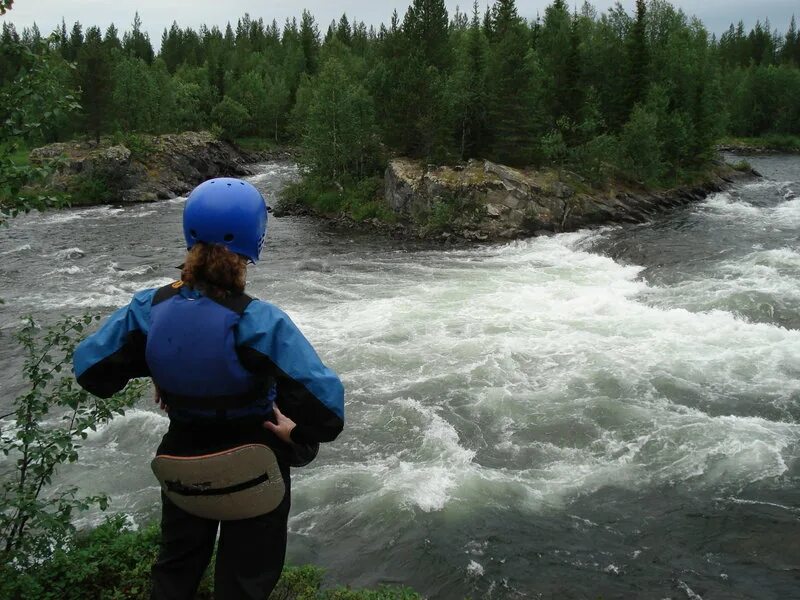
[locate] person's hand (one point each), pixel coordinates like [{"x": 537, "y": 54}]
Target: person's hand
[
  {"x": 283, "y": 429},
  {"x": 158, "y": 400}
]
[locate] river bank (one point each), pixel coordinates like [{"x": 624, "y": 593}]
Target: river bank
[
  {"x": 145, "y": 168},
  {"x": 482, "y": 201},
  {"x": 479, "y": 201},
  {"x": 766, "y": 144},
  {"x": 114, "y": 561}
]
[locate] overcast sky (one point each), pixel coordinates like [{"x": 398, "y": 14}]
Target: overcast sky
[{"x": 158, "y": 14}]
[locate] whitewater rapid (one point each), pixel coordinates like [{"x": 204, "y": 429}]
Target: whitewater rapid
[{"x": 491, "y": 388}]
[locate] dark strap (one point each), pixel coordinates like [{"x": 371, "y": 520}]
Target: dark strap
[
  {"x": 216, "y": 402},
  {"x": 200, "y": 489},
  {"x": 166, "y": 292},
  {"x": 237, "y": 303}
]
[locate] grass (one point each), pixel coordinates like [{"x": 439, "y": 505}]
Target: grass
[
  {"x": 113, "y": 562},
  {"x": 257, "y": 144},
  {"x": 780, "y": 142},
  {"x": 21, "y": 156},
  {"x": 358, "y": 200}
]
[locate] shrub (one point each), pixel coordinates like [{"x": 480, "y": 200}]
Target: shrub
[
  {"x": 36, "y": 519},
  {"x": 232, "y": 118},
  {"x": 113, "y": 562},
  {"x": 141, "y": 146},
  {"x": 89, "y": 189}
]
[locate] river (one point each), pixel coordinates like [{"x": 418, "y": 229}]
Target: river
[{"x": 610, "y": 413}]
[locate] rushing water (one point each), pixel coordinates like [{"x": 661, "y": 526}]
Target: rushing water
[{"x": 605, "y": 413}]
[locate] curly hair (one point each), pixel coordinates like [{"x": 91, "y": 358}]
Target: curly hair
[{"x": 214, "y": 270}]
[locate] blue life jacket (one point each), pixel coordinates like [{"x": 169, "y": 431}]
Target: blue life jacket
[
  {"x": 231, "y": 358},
  {"x": 192, "y": 356}
]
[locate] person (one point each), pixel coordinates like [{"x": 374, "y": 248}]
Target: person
[{"x": 241, "y": 385}]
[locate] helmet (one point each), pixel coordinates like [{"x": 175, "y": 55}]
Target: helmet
[{"x": 226, "y": 211}]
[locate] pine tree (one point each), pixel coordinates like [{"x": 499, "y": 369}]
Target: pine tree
[
  {"x": 75, "y": 42},
  {"x": 136, "y": 43},
  {"x": 510, "y": 100},
  {"x": 309, "y": 38},
  {"x": 94, "y": 68},
  {"x": 790, "y": 52},
  {"x": 343, "y": 31},
  {"x": 638, "y": 57},
  {"x": 111, "y": 38},
  {"x": 469, "y": 90},
  {"x": 426, "y": 27},
  {"x": 171, "y": 47},
  {"x": 63, "y": 39},
  {"x": 558, "y": 52}
]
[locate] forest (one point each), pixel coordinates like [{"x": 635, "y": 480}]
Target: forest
[{"x": 643, "y": 95}]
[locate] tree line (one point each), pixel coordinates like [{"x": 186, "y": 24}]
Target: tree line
[{"x": 644, "y": 95}]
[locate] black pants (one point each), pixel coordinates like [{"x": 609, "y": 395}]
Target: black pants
[{"x": 250, "y": 553}]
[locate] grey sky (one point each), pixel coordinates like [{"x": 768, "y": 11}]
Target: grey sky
[{"x": 158, "y": 14}]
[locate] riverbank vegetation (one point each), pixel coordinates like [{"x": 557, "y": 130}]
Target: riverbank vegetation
[
  {"x": 642, "y": 95},
  {"x": 114, "y": 559}
]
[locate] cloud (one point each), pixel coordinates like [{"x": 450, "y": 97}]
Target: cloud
[{"x": 159, "y": 14}]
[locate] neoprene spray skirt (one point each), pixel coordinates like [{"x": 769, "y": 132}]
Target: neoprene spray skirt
[{"x": 239, "y": 483}]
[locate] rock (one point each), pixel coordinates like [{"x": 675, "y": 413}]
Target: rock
[
  {"x": 562, "y": 190},
  {"x": 173, "y": 166},
  {"x": 49, "y": 152},
  {"x": 493, "y": 201},
  {"x": 493, "y": 210},
  {"x": 403, "y": 178}
]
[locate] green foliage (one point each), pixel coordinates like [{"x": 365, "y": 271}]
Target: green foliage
[
  {"x": 449, "y": 214},
  {"x": 256, "y": 144},
  {"x": 359, "y": 200},
  {"x": 742, "y": 165},
  {"x": 113, "y": 562},
  {"x": 141, "y": 146},
  {"x": 339, "y": 136},
  {"x": 231, "y": 117},
  {"x": 35, "y": 518},
  {"x": 89, "y": 190},
  {"x": 499, "y": 89},
  {"x": 641, "y": 146},
  {"x": 31, "y": 101},
  {"x": 771, "y": 141},
  {"x": 134, "y": 95}
]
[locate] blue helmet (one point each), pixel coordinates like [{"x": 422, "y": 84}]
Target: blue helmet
[{"x": 226, "y": 211}]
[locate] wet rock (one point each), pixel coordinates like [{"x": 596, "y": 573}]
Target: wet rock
[
  {"x": 173, "y": 165},
  {"x": 492, "y": 201}
]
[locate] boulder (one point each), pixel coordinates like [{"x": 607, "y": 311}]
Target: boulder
[
  {"x": 493, "y": 201},
  {"x": 169, "y": 166}
]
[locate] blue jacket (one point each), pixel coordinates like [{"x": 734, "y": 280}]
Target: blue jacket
[{"x": 230, "y": 358}]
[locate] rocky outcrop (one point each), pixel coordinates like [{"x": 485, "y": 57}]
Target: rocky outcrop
[
  {"x": 484, "y": 200},
  {"x": 158, "y": 167}
]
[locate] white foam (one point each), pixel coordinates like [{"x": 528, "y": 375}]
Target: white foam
[
  {"x": 65, "y": 216},
  {"x": 540, "y": 336},
  {"x": 22, "y": 248},
  {"x": 71, "y": 270},
  {"x": 754, "y": 282},
  {"x": 68, "y": 253},
  {"x": 475, "y": 569}
]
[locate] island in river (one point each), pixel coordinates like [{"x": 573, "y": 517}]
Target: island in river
[{"x": 479, "y": 200}]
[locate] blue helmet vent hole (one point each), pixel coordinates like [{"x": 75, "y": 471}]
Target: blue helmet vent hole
[
  {"x": 229, "y": 185},
  {"x": 194, "y": 233},
  {"x": 228, "y": 237}
]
